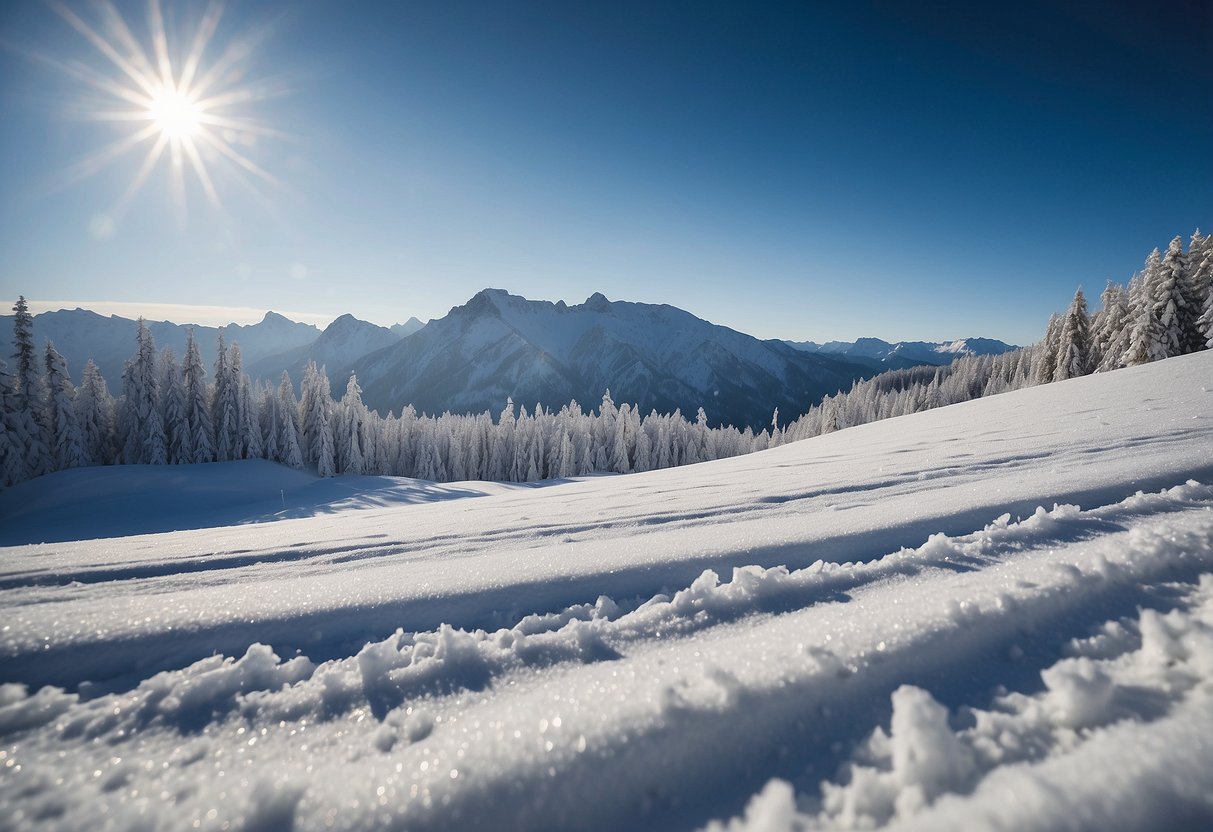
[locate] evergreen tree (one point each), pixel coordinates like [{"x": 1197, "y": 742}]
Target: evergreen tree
[
  {"x": 142, "y": 426},
  {"x": 225, "y": 407},
  {"x": 251, "y": 443},
  {"x": 12, "y": 452},
  {"x": 1044, "y": 354},
  {"x": 1147, "y": 341},
  {"x": 1112, "y": 337},
  {"x": 67, "y": 444},
  {"x": 350, "y": 448},
  {"x": 29, "y": 418},
  {"x": 325, "y": 462},
  {"x": 1075, "y": 345},
  {"x": 288, "y": 438},
  {"x": 1175, "y": 304},
  {"x": 95, "y": 415},
  {"x": 177, "y": 434},
  {"x": 1200, "y": 281},
  {"x": 197, "y": 402}
]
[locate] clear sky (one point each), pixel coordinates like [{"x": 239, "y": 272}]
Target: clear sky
[{"x": 801, "y": 170}]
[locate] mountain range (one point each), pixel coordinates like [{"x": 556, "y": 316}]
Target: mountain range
[
  {"x": 499, "y": 346},
  {"x": 893, "y": 356}
]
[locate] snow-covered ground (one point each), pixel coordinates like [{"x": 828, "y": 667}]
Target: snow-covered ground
[{"x": 892, "y": 624}]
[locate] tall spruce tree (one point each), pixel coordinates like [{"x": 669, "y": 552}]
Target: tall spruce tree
[
  {"x": 67, "y": 443},
  {"x": 95, "y": 414},
  {"x": 1074, "y": 352},
  {"x": 197, "y": 402}
]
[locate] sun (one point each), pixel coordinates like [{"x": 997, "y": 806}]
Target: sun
[
  {"x": 177, "y": 116},
  {"x": 199, "y": 114}
]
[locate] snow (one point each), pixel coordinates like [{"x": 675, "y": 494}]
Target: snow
[
  {"x": 991, "y": 615},
  {"x": 101, "y": 502}
]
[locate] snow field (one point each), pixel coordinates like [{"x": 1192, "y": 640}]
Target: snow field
[
  {"x": 585, "y": 680},
  {"x": 878, "y": 627}
]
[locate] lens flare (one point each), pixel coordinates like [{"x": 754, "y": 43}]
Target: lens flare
[{"x": 194, "y": 111}]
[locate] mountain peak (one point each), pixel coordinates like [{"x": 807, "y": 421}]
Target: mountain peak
[{"x": 597, "y": 302}]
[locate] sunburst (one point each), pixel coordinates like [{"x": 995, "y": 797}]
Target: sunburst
[{"x": 192, "y": 112}]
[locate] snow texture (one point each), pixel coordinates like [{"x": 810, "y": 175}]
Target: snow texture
[{"x": 991, "y": 615}]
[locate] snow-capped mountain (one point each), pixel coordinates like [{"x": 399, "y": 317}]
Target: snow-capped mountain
[
  {"x": 343, "y": 342},
  {"x": 407, "y": 328},
  {"x": 80, "y": 334},
  {"x": 500, "y": 345},
  {"x": 906, "y": 353}
]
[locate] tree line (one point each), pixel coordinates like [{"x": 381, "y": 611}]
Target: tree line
[
  {"x": 1165, "y": 310},
  {"x": 169, "y": 412}
]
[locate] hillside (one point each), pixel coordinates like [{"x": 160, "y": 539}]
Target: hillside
[
  {"x": 888, "y": 625},
  {"x": 500, "y": 346}
]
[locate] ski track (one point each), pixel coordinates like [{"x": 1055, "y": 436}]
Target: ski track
[{"x": 870, "y": 628}]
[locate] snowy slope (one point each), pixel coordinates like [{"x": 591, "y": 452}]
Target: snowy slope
[
  {"x": 891, "y": 632},
  {"x": 80, "y": 334},
  {"x": 500, "y": 345},
  {"x": 117, "y": 501}
]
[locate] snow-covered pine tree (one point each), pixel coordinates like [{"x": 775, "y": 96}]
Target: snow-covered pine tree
[
  {"x": 1200, "y": 279},
  {"x": 177, "y": 435},
  {"x": 67, "y": 445},
  {"x": 250, "y": 419},
  {"x": 1175, "y": 304},
  {"x": 12, "y": 453},
  {"x": 325, "y": 463},
  {"x": 350, "y": 426},
  {"x": 95, "y": 415},
  {"x": 288, "y": 438},
  {"x": 30, "y": 419},
  {"x": 225, "y": 408},
  {"x": 1147, "y": 341},
  {"x": 1112, "y": 337},
  {"x": 271, "y": 420},
  {"x": 141, "y": 424},
  {"x": 1074, "y": 351},
  {"x": 197, "y": 403},
  {"x": 1044, "y": 355}
]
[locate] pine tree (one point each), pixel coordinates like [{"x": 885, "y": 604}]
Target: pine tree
[
  {"x": 350, "y": 450},
  {"x": 1147, "y": 342},
  {"x": 225, "y": 407},
  {"x": 66, "y": 443},
  {"x": 1044, "y": 354},
  {"x": 177, "y": 434},
  {"x": 12, "y": 452},
  {"x": 197, "y": 403},
  {"x": 1075, "y": 345},
  {"x": 1175, "y": 305},
  {"x": 288, "y": 439},
  {"x": 95, "y": 415},
  {"x": 325, "y": 462},
  {"x": 142, "y": 425},
  {"x": 29, "y": 418},
  {"x": 1112, "y": 338},
  {"x": 251, "y": 443},
  {"x": 1200, "y": 281}
]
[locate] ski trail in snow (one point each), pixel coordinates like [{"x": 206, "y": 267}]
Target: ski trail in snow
[{"x": 544, "y": 724}]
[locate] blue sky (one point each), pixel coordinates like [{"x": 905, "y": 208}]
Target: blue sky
[{"x": 908, "y": 171}]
